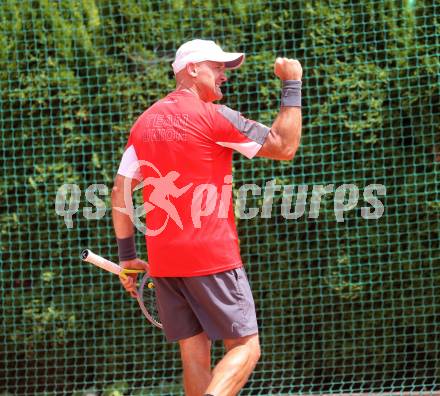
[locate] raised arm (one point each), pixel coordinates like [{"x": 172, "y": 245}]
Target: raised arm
[{"x": 285, "y": 134}]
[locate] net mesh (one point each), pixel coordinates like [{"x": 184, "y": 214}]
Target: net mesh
[{"x": 346, "y": 306}]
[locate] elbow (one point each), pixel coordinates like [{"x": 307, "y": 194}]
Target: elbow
[
  {"x": 289, "y": 152},
  {"x": 287, "y": 155},
  {"x": 117, "y": 193},
  {"x": 122, "y": 190}
]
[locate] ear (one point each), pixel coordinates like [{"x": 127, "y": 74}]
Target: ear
[{"x": 192, "y": 69}]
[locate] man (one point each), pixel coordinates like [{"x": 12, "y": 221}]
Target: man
[{"x": 186, "y": 142}]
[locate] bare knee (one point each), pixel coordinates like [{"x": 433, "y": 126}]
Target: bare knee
[
  {"x": 256, "y": 353},
  {"x": 249, "y": 344}
]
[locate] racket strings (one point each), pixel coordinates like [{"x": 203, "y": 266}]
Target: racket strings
[{"x": 148, "y": 296}]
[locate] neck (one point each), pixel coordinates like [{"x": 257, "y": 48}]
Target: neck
[
  {"x": 187, "y": 84},
  {"x": 189, "y": 88}
]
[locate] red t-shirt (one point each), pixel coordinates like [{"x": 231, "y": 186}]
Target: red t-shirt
[{"x": 184, "y": 148}]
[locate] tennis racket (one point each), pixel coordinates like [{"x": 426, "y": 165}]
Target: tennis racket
[{"x": 146, "y": 295}]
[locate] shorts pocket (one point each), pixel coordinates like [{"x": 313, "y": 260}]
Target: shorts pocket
[
  {"x": 237, "y": 280},
  {"x": 241, "y": 300}
]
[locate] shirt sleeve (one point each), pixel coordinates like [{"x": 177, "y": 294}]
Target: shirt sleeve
[
  {"x": 233, "y": 130},
  {"x": 129, "y": 166}
]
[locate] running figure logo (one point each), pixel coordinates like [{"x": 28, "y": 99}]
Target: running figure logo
[{"x": 164, "y": 188}]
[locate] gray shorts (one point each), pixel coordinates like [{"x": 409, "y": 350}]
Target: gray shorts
[{"x": 221, "y": 305}]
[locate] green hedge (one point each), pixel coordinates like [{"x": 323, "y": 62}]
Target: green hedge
[{"x": 343, "y": 306}]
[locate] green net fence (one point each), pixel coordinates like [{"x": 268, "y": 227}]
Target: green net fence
[{"x": 346, "y": 285}]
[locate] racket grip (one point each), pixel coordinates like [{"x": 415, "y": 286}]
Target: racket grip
[{"x": 101, "y": 262}]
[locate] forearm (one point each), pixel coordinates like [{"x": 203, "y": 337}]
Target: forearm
[
  {"x": 285, "y": 134},
  {"x": 123, "y": 225},
  {"x": 287, "y": 126}
]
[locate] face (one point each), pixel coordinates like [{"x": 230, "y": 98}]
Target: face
[{"x": 208, "y": 77}]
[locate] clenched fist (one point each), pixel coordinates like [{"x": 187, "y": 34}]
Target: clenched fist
[{"x": 287, "y": 69}]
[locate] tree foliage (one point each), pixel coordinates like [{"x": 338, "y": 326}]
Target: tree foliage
[{"x": 342, "y": 306}]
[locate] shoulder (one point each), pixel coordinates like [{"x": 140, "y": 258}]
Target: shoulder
[{"x": 223, "y": 112}]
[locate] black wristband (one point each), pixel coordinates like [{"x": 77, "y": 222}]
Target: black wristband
[
  {"x": 291, "y": 93},
  {"x": 126, "y": 248}
]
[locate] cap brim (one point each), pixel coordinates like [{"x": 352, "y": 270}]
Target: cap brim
[
  {"x": 232, "y": 60},
  {"x": 236, "y": 62}
]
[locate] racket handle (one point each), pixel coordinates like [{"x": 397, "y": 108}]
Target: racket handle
[{"x": 101, "y": 262}]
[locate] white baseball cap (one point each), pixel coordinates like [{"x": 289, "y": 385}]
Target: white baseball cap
[{"x": 195, "y": 51}]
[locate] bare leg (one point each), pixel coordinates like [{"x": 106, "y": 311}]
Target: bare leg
[
  {"x": 196, "y": 359},
  {"x": 233, "y": 371}
]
